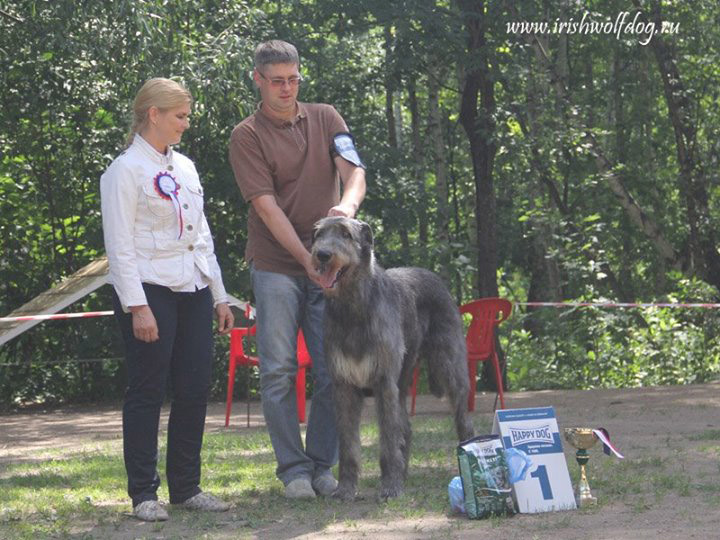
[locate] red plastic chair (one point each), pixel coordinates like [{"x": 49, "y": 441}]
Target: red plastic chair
[
  {"x": 238, "y": 357},
  {"x": 486, "y": 313}
]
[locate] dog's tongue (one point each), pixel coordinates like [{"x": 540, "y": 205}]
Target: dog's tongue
[{"x": 328, "y": 278}]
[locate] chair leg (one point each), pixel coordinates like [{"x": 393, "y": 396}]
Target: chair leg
[
  {"x": 247, "y": 399},
  {"x": 498, "y": 379},
  {"x": 300, "y": 394},
  {"x": 472, "y": 375},
  {"x": 413, "y": 390},
  {"x": 230, "y": 385}
]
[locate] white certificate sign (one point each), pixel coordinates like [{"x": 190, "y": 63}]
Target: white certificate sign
[{"x": 547, "y": 486}]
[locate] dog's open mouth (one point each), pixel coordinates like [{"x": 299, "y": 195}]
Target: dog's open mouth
[{"x": 330, "y": 277}]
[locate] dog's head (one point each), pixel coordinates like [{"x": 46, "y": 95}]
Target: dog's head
[{"x": 340, "y": 247}]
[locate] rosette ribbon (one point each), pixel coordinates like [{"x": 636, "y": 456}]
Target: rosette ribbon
[{"x": 167, "y": 187}]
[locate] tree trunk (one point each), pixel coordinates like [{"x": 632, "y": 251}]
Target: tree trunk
[
  {"x": 620, "y": 141},
  {"x": 418, "y": 165},
  {"x": 390, "y": 82},
  {"x": 477, "y": 107},
  {"x": 477, "y": 89},
  {"x": 389, "y": 90},
  {"x": 545, "y": 275},
  {"x": 442, "y": 222}
]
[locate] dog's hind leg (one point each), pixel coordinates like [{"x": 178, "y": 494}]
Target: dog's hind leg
[
  {"x": 407, "y": 437},
  {"x": 348, "y": 404},
  {"x": 394, "y": 444},
  {"x": 407, "y": 428}
]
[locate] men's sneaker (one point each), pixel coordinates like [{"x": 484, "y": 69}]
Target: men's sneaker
[
  {"x": 150, "y": 511},
  {"x": 206, "y": 503},
  {"x": 325, "y": 484},
  {"x": 300, "y": 488}
]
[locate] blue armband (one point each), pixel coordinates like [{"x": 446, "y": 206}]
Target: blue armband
[{"x": 344, "y": 146}]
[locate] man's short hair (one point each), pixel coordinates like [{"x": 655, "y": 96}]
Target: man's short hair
[{"x": 276, "y": 52}]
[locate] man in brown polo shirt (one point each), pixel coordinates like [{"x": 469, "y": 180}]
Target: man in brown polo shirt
[{"x": 287, "y": 158}]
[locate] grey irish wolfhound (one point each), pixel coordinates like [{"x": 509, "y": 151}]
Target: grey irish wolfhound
[{"x": 378, "y": 325}]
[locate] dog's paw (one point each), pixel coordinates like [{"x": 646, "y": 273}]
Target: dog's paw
[
  {"x": 390, "y": 492},
  {"x": 345, "y": 493}
]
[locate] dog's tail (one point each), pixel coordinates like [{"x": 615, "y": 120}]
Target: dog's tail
[{"x": 446, "y": 358}]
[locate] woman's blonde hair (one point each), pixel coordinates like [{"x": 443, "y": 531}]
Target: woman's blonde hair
[{"x": 157, "y": 92}]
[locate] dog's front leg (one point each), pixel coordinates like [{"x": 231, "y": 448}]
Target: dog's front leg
[
  {"x": 348, "y": 403},
  {"x": 392, "y": 440}
]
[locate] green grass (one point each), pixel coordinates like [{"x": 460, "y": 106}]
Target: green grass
[
  {"x": 83, "y": 494},
  {"x": 707, "y": 435},
  {"x": 636, "y": 481}
]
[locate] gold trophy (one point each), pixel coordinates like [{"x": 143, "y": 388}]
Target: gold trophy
[{"x": 582, "y": 439}]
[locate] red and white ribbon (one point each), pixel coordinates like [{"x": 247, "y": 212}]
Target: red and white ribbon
[
  {"x": 249, "y": 313},
  {"x": 82, "y": 315},
  {"x": 616, "y": 305},
  {"x": 604, "y": 436}
]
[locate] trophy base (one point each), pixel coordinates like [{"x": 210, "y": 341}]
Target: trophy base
[{"x": 585, "y": 501}]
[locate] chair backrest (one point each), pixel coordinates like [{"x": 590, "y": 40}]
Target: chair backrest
[
  {"x": 486, "y": 313},
  {"x": 237, "y": 334},
  {"x": 237, "y": 350}
]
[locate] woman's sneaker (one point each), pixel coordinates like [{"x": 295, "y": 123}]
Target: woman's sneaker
[
  {"x": 150, "y": 511},
  {"x": 206, "y": 503}
]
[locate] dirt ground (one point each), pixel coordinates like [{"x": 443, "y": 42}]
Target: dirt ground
[{"x": 675, "y": 429}]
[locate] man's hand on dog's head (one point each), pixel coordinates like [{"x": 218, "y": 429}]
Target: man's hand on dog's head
[{"x": 343, "y": 210}]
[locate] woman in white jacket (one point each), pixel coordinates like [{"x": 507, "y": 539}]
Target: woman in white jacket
[{"x": 166, "y": 281}]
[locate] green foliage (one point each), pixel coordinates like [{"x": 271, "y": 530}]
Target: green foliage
[
  {"x": 69, "y": 70},
  {"x": 67, "y": 89},
  {"x": 598, "y": 348}
]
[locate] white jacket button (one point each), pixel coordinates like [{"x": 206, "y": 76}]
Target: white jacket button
[{"x": 191, "y": 247}]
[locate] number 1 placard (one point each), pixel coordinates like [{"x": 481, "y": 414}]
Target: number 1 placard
[{"x": 535, "y": 432}]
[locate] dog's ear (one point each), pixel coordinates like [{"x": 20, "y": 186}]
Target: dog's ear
[
  {"x": 366, "y": 234},
  {"x": 316, "y": 228}
]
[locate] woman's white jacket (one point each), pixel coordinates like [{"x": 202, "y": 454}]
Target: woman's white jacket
[{"x": 141, "y": 226}]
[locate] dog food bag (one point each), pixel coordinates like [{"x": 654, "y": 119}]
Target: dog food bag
[{"x": 484, "y": 475}]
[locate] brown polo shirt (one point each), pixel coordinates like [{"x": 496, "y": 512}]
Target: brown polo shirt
[{"x": 290, "y": 160}]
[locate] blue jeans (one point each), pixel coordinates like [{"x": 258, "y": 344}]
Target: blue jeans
[{"x": 284, "y": 304}]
